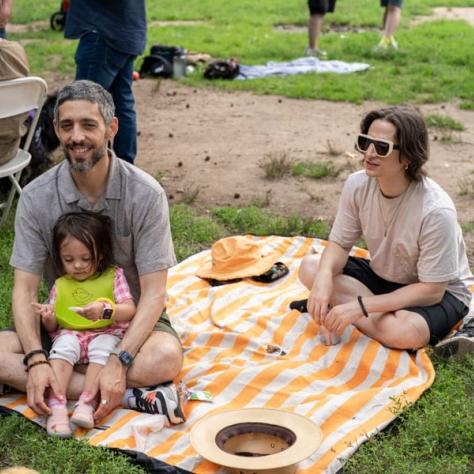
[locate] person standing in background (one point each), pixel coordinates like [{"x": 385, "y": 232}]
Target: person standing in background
[
  {"x": 13, "y": 65},
  {"x": 391, "y": 20},
  {"x": 111, "y": 35},
  {"x": 5, "y": 12},
  {"x": 317, "y": 10}
]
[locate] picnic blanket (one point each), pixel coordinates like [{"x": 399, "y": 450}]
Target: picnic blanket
[
  {"x": 351, "y": 390},
  {"x": 299, "y": 66}
]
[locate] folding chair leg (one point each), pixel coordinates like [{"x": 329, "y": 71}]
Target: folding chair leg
[{"x": 8, "y": 203}]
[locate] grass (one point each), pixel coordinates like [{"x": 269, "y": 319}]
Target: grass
[
  {"x": 315, "y": 169},
  {"x": 417, "y": 73},
  {"x": 434, "y": 64},
  {"x": 434, "y": 435},
  {"x": 276, "y": 165},
  {"x": 443, "y": 121}
]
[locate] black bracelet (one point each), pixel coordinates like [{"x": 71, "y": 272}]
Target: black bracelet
[
  {"x": 32, "y": 353},
  {"x": 38, "y": 362},
  {"x": 362, "y": 307}
]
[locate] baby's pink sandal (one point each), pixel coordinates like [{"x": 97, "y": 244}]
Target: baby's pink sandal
[
  {"x": 83, "y": 415},
  {"x": 57, "y": 424}
]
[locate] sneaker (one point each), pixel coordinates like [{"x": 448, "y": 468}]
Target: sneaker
[
  {"x": 160, "y": 400},
  {"x": 459, "y": 345},
  {"x": 300, "y": 305},
  {"x": 393, "y": 43},
  {"x": 83, "y": 415},
  {"x": 315, "y": 53},
  {"x": 57, "y": 424},
  {"x": 5, "y": 389},
  {"x": 385, "y": 44},
  {"x": 382, "y": 45}
]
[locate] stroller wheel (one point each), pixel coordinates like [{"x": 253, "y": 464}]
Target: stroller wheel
[{"x": 57, "y": 21}]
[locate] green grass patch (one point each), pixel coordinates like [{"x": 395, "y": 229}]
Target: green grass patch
[
  {"x": 24, "y": 444},
  {"x": 443, "y": 121},
  {"x": 467, "y": 227},
  {"x": 316, "y": 169},
  {"x": 435, "y": 435},
  {"x": 254, "y": 220}
]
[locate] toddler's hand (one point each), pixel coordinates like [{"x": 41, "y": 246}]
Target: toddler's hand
[
  {"x": 46, "y": 311},
  {"x": 92, "y": 311}
]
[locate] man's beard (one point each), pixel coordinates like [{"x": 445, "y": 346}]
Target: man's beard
[{"x": 84, "y": 165}]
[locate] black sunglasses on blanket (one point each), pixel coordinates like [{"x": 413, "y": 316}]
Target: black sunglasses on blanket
[{"x": 383, "y": 148}]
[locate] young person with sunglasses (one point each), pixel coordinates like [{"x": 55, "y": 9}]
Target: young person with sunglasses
[{"x": 414, "y": 288}]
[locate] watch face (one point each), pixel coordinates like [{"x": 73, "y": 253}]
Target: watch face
[
  {"x": 126, "y": 358},
  {"x": 107, "y": 313}
]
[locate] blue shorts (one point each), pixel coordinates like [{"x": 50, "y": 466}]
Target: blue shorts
[
  {"x": 440, "y": 317},
  {"x": 321, "y": 7},
  {"x": 392, "y": 3}
]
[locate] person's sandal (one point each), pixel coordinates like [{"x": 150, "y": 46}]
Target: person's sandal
[
  {"x": 57, "y": 424},
  {"x": 83, "y": 415}
]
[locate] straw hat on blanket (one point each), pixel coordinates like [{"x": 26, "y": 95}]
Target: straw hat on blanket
[
  {"x": 256, "y": 440},
  {"x": 235, "y": 257}
]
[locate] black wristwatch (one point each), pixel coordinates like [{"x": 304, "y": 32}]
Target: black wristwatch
[{"x": 124, "y": 357}]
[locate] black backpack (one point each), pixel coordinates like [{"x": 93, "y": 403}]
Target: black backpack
[
  {"x": 159, "y": 63},
  {"x": 222, "y": 69},
  {"x": 156, "y": 66}
]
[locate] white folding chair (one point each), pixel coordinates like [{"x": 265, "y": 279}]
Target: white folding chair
[{"x": 16, "y": 97}]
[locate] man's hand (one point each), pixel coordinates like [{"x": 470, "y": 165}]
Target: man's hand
[
  {"x": 111, "y": 384},
  {"x": 92, "y": 311},
  {"x": 319, "y": 298},
  {"x": 40, "y": 378},
  {"x": 340, "y": 316}
]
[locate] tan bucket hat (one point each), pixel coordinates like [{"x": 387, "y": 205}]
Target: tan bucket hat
[
  {"x": 256, "y": 440},
  {"x": 235, "y": 257}
]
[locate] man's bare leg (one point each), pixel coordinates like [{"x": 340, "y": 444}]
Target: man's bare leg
[{"x": 159, "y": 360}]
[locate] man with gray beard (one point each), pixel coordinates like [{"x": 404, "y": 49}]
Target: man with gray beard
[{"x": 92, "y": 178}]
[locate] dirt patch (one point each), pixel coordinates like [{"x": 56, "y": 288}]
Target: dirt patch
[
  {"x": 177, "y": 23},
  {"x": 444, "y": 13},
  {"x": 212, "y": 143},
  {"x": 206, "y": 146},
  {"x": 33, "y": 27}
]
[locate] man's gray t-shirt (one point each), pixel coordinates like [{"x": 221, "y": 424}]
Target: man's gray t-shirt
[
  {"x": 413, "y": 237},
  {"x": 134, "y": 201}
]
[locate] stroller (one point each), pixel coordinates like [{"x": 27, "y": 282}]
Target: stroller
[{"x": 58, "y": 19}]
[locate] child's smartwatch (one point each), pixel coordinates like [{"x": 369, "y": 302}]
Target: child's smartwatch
[
  {"x": 109, "y": 308},
  {"x": 107, "y": 312}
]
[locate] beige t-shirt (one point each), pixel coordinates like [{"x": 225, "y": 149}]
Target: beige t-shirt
[
  {"x": 13, "y": 64},
  {"x": 414, "y": 237}
]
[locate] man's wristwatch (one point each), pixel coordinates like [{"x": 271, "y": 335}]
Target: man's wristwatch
[{"x": 124, "y": 357}]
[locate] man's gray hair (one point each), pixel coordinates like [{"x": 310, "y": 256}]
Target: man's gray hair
[{"x": 90, "y": 91}]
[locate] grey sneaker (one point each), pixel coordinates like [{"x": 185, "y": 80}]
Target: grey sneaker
[
  {"x": 459, "y": 345},
  {"x": 160, "y": 400},
  {"x": 315, "y": 53}
]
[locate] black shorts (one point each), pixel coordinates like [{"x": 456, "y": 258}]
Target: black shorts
[
  {"x": 392, "y": 3},
  {"x": 321, "y": 7},
  {"x": 440, "y": 317},
  {"x": 163, "y": 325}
]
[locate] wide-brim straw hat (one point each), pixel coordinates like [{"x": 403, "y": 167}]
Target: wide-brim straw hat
[
  {"x": 256, "y": 440},
  {"x": 235, "y": 257}
]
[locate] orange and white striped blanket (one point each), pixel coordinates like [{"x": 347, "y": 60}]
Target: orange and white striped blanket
[{"x": 351, "y": 390}]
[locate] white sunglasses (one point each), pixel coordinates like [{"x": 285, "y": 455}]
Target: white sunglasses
[{"x": 383, "y": 148}]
